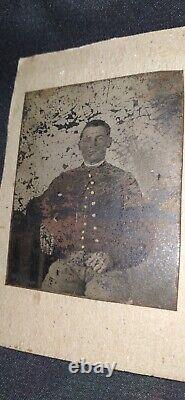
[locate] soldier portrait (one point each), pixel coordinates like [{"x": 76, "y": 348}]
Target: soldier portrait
[{"x": 96, "y": 209}]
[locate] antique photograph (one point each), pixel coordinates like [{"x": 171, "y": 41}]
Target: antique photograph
[
  {"x": 92, "y": 205},
  {"x": 97, "y": 198}
]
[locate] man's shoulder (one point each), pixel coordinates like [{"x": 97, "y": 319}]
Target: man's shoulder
[
  {"x": 66, "y": 175},
  {"x": 125, "y": 180},
  {"x": 122, "y": 173}
]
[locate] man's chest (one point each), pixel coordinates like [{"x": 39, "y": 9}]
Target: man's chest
[{"x": 92, "y": 194}]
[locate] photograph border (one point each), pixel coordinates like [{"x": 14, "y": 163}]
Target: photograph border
[{"x": 138, "y": 339}]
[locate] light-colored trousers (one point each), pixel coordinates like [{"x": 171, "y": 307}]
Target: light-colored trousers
[{"x": 72, "y": 277}]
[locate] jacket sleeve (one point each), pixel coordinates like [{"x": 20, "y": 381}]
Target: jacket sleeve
[
  {"x": 24, "y": 249},
  {"x": 40, "y": 258},
  {"x": 133, "y": 230}
]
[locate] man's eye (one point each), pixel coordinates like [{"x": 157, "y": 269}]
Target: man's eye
[
  {"x": 99, "y": 139},
  {"x": 85, "y": 141}
]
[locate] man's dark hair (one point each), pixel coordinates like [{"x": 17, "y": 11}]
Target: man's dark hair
[{"x": 97, "y": 122}]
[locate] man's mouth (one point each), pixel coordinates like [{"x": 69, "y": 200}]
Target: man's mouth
[{"x": 93, "y": 151}]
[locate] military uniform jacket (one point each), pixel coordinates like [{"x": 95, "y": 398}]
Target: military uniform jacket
[{"x": 94, "y": 209}]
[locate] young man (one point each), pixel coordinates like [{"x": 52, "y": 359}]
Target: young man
[{"x": 90, "y": 222}]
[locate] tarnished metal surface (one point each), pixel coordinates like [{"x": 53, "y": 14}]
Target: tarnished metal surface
[{"x": 136, "y": 191}]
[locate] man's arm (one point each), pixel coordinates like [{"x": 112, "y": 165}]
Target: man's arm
[{"x": 131, "y": 235}]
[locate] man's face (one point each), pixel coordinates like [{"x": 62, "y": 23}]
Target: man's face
[{"x": 94, "y": 143}]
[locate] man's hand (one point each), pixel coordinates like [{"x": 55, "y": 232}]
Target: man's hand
[
  {"x": 99, "y": 262},
  {"x": 76, "y": 258}
]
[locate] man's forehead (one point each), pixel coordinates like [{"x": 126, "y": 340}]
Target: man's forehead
[{"x": 95, "y": 130}]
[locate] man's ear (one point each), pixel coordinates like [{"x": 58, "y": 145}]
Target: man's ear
[{"x": 109, "y": 141}]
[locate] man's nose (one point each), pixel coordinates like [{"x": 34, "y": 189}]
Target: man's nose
[{"x": 93, "y": 143}]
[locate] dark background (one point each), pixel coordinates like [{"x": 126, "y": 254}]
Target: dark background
[{"x": 30, "y": 27}]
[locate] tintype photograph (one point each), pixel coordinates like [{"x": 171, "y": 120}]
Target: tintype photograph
[{"x": 97, "y": 197}]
